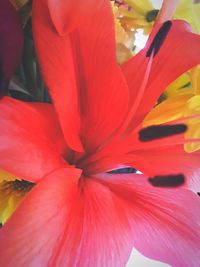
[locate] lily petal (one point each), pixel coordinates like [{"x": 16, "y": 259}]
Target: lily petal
[
  {"x": 161, "y": 160},
  {"x": 68, "y": 15},
  {"x": 80, "y": 218},
  {"x": 32, "y": 143},
  {"x": 57, "y": 66},
  {"x": 52, "y": 207},
  {"x": 81, "y": 72},
  {"x": 163, "y": 227},
  {"x": 151, "y": 158}
]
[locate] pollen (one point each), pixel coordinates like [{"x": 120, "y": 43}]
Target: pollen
[{"x": 18, "y": 185}]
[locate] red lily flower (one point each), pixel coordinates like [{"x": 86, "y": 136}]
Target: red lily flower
[
  {"x": 77, "y": 214},
  {"x": 11, "y": 43}
]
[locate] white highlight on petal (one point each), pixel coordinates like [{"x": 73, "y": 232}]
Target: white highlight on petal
[{"x": 138, "y": 260}]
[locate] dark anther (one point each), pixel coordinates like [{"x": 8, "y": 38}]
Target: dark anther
[
  {"x": 19, "y": 185},
  {"x": 160, "y": 131},
  {"x": 151, "y": 15},
  {"x": 167, "y": 180},
  {"x": 159, "y": 39},
  {"x": 123, "y": 170},
  {"x": 198, "y": 193}
]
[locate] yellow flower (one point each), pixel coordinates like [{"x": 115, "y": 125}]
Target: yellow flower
[
  {"x": 12, "y": 191},
  {"x": 181, "y": 101},
  {"x": 189, "y": 11},
  {"x": 182, "y": 97},
  {"x": 124, "y": 38},
  {"x": 142, "y": 14}
]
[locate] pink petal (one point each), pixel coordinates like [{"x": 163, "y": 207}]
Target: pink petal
[
  {"x": 106, "y": 239},
  {"x": 31, "y": 141},
  {"x": 46, "y": 229},
  {"x": 194, "y": 182},
  {"x": 65, "y": 221},
  {"x": 164, "y": 222}
]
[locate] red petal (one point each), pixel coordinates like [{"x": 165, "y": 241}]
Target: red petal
[
  {"x": 164, "y": 156},
  {"x": 178, "y": 53},
  {"x": 45, "y": 230},
  {"x": 81, "y": 72},
  {"x": 104, "y": 91},
  {"x": 163, "y": 227},
  {"x": 31, "y": 141},
  {"x": 65, "y": 222},
  {"x": 68, "y": 15},
  {"x": 55, "y": 56},
  {"x": 167, "y": 160},
  {"x": 11, "y": 42},
  {"x": 106, "y": 239}
]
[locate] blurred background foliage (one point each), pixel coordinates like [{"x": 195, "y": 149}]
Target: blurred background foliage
[{"x": 27, "y": 83}]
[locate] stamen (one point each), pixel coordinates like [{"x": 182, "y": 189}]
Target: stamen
[
  {"x": 198, "y": 193},
  {"x": 138, "y": 97},
  {"x": 159, "y": 39},
  {"x": 19, "y": 185},
  {"x": 160, "y": 131},
  {"x": 167, "y": 181},
  {"x": 151, "y": 15},
  {"x": 123, "y": 171}
]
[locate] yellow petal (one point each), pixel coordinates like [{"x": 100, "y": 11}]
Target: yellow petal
[
  {"x": 140, "y": 6},
  {"x": 189, "y": 11},
  {"x": 123, "y": 53},
  {"x": 8, "y": 202},
  {"x": 6, "y": 176},
  {"x": 11, "y": 194},
  {"x": 179, "y": 86},
  {"x": 195, "y": 79},
  {"x": 170, "y": 109},
  {"x": 193, "y": 108}
]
